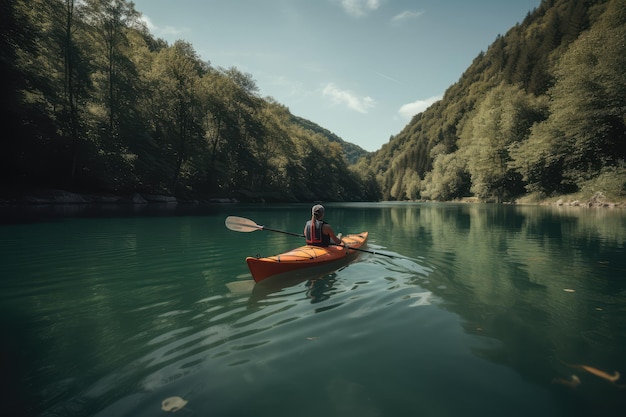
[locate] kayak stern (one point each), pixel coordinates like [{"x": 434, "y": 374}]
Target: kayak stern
[{"x": 305, "y": 257}]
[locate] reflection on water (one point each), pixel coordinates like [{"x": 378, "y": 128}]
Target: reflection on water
[{"x": 481, "y": 310}]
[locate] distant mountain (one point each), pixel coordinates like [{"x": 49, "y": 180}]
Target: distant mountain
[{"x": 352, "y": 152}]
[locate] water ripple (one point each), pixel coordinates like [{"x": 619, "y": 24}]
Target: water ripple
[{"x": 113, "y": 316}]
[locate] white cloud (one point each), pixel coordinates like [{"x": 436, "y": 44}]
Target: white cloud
[
  {"x": 359, "y": 8},
  {"x": 167, "y": 31},
  {"x": 411, "y": 109},
  {"x": 337, "y": 96},
  {"x": 405, "y": 15}
]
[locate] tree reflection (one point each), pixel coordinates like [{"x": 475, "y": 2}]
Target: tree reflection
[{"x": 546, "y": 282}]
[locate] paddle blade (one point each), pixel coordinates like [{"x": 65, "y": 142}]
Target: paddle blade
[{"x": 241, "y": 224}]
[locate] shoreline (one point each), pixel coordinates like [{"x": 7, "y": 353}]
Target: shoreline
[
  {"x": 57, "y": 197},
  {"x": 61, "y": 197},
  {"x": 597, "y": 201}
]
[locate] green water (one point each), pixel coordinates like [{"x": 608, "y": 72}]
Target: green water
[{"x": 481, "y": 312}]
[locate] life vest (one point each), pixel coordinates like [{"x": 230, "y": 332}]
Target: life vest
[{"x": 314, "y": 235}]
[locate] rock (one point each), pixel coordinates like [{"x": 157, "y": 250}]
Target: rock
[
  {"x": 156, "y": 198},
  {"x": 138, "y": 199},
  {"x": 598, "y": 199},
  {"x": 55, "y": 197}
]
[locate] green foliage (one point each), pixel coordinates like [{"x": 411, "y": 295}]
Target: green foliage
[
  {"x": 541, "y": 111},
  {"x": 447, "y": 180},
  {"x": 503, "y": 118},
  {"x": 110, "y": 108},
  {"x": 611, "y": 182},
  {"x": 98, "y": 104},
  {"x": 352, "y": 152},
  {"x": 586, "y": 131},
  {"x": 589, "y": 99}
]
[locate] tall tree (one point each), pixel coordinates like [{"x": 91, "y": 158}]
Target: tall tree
[
  {"x": 76, "y": 83},
  {"x": 589, "y": 98},
  {"x": 448, "y": 179},
  {"x": 586, "y": 129},
  {"x": 179, "y": 72},
  {"x": 18, "y": 36},
  {"x": 247, "y": 135},
  {"x": 503, "y": 118},
  {"x": 110, "y": 20}
]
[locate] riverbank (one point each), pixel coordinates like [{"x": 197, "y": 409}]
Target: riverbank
[
  {"x": 63, "y": 197},
  {"x": 597, "y": 199}
]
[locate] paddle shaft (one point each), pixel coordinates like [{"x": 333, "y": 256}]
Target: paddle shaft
[
  {"x": 282, "y": 231},
  {"x": 364, "y": 250},
  {"x": 332, "y": 244},
  {"x": 241, "y": 224}
]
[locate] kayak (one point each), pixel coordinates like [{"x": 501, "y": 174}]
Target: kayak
[{"x": 306, "y": 257}]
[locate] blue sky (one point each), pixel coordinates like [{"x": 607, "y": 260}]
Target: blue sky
[{"x": 359, "y": 68}]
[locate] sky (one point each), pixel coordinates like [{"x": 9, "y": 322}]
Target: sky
[{"x": 359, "y": 68}]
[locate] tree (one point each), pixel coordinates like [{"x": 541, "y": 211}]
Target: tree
[
  {"x": 76, "y": 83},
  {"x": 179, "y": 71},
  {"x": 503, "y": 118},
  {"x": 115, "y": 74},
  {"x": 22, "y": 118},
  {"x": 245, "y": 133},
  {"x": 585, "y": 131},
  {"x": 448, "y": 179},
  {"x": 589, "y": 97}
]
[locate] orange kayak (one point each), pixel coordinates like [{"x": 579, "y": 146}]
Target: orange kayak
[{"x": 306, "y": 257}]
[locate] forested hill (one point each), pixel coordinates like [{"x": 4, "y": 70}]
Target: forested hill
[
  {"x": 351, "y": 151},
  {"x": 542, "y": 112},
  {"x": 92, "y": 102}
]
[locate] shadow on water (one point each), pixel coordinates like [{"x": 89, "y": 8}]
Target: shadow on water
[{"x": 41, "y": 213}]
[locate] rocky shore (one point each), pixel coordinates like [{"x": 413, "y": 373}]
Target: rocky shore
[
  {"x": 62, "y": 197},
  {"x": 598, "y": 199}
]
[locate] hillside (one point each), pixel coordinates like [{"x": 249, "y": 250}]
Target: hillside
[
  {"x": 541, "y": 112},
  {"x": 95, "y": 105},
  {"x": 351, "y": 151}
]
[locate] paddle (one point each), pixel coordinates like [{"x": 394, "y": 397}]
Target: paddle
[{"x": 241, "y": 224}]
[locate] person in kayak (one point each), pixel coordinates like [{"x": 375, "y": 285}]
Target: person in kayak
[{"x": 319, "y": 233}]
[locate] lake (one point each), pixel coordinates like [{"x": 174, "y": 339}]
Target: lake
[{"x": 480, "y": 310}]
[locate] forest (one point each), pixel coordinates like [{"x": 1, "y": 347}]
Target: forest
[
  {"x": 93, "y": 103},
  {"x": 541, "y": 113}
]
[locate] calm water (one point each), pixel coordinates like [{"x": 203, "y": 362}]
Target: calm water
[{"x": 484, "y": 311}]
